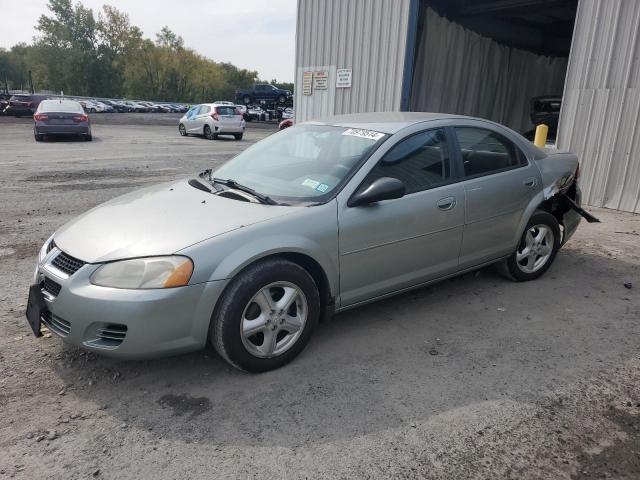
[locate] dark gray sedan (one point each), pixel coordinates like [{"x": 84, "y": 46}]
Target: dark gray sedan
[{"x": 61, "y": 117}]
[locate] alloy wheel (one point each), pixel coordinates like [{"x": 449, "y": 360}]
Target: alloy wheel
[
  {"x": 274, "y": 319},
  {"x": 536, "y": 248}
]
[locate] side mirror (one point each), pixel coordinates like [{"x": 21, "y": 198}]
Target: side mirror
[{"x": 385, "y": 188}]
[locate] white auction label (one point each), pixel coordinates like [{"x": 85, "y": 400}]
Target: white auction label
[{"x": 362, "y": 133}]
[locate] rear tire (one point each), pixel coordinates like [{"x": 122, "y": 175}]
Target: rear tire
[
  {"x": 39, "y": 137},
  {"x": 237, "y": 136},
  {"x": 206, "y": 131},
  {"x": 88, "y": 138},
  {"x": 244, "y": 303},
  {"x": 536, "y": 250},
  {"x": 282, "y": 99}
]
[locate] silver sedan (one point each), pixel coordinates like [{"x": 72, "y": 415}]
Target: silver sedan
[{"x": 317, "y": 218}]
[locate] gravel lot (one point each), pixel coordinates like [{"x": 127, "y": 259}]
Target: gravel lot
[{"x": 475, "y": 377}]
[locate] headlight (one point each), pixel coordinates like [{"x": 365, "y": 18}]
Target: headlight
[
  {"x": 46, "y": 248},
  {"x": 152, "y": 272}
]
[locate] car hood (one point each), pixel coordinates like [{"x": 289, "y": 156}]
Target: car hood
[{"x": 158, "y": 220}]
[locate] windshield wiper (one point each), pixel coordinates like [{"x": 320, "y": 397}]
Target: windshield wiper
[{"x": 229, "y": 182}]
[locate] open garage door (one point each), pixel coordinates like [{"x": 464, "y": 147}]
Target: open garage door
[{"x": 495, "y": 59}]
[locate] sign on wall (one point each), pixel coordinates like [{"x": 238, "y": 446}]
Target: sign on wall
[
  {"x": 306, "y": 82},
  {"x": 321, "y": 80},
  {"x": 343, "y": 78}
]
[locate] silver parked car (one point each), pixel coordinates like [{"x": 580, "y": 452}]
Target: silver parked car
[
  {"x": 317, "y": 218},
  {"x": 211, "y": 120}
]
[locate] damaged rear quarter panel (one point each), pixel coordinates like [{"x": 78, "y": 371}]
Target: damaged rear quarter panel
[{"x": 558, "y": 172}]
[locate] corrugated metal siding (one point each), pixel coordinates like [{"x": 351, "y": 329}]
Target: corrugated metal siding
[
  {"x": 459, "y": 71},
  {"x": 368, "y": 36},
  {"x": 601, "y": 106}
]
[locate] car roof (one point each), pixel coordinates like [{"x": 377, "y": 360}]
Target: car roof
[{"x": 384, "y": 122}]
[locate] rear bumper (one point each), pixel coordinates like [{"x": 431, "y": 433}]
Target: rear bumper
[
  {"x": 571, "y": 219},
  {"x": 62, "y": 129},
  {"x": 22, "y": 111},
  {"x": 223, "y": 129}
]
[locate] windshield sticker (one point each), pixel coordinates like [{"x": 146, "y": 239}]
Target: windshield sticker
[
  {"x": 310, "y": 183},
  {"x": 323, "y": 187},
  {"x": 362, "y": 133}
]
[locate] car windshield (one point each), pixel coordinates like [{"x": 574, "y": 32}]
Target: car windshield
[
  {"x": 62, "y": 107},
  {"x": 305, "y": 163}
]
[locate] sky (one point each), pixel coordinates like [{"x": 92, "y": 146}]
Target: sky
[{"x": 253, "y": 34}]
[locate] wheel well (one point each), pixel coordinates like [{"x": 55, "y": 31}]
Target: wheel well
[
  {"x": 550, "y": 206},
  {"x": 317, "y": 273}
]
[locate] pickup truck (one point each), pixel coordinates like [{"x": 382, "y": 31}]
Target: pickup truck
[{"x": 262, "y": 92}]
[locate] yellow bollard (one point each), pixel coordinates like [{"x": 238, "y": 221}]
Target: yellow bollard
[{"x": 541, "y": 135}]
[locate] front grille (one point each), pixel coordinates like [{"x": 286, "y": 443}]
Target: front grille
[
  {"x": 67, "y": 263},
  {"x": 56, "y": 324},
  {"x": 111, "y": 334},
  {"x": 51, "y": 287}
]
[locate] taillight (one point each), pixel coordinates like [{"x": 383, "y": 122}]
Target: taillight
[
  {"x": 80, "y": 118},
  {"x": 40, "y": 117},
  {"x": 215, "y": 116}
]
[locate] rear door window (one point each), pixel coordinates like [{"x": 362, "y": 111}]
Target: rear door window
[
  {"x": 485, "y": 152},
  {"x": 204, "y": 109}
]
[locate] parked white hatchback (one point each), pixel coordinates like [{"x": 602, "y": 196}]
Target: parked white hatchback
[{"x": 211, "y": 120}]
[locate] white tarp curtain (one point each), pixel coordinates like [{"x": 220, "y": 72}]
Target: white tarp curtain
[{"x": 458, "y": 71}]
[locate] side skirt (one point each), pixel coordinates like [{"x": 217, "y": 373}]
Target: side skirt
[{"x": 420, "y": 285}]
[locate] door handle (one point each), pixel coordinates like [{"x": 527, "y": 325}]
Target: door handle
[
  {"x": 530, "y": 182},
  {"x": 446, "y": 203}
]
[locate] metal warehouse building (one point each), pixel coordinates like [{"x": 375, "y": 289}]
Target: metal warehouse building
[{"x": 486, "y": 58}]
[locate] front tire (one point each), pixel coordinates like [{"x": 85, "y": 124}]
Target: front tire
[
  {"x": 237, "y": 136},
  {"x": 282, "y": 99},
  {"x": 266, "y": 316},
  {"x": 182, "y": 130},
  {"x": 537, "y": 249}
]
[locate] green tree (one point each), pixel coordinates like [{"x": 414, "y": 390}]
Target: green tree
[{"x": 106, "y": 56}]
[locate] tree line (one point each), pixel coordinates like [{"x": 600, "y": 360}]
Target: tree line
[{"x": 105, "y": 56}]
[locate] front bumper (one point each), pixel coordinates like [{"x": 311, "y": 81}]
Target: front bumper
[{"x": 125, "y": 323}]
